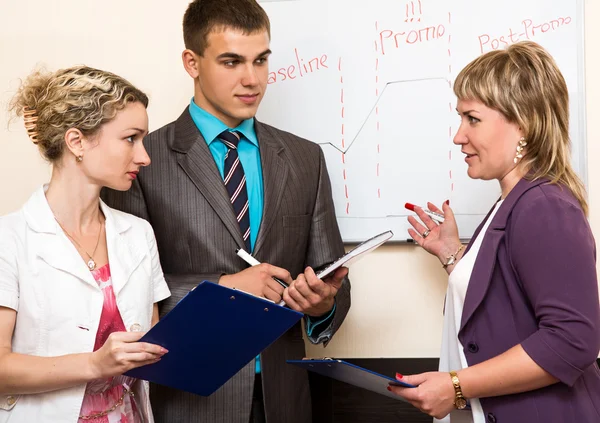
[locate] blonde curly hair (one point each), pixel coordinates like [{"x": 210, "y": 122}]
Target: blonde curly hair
[{"x": 78, "y": 97}]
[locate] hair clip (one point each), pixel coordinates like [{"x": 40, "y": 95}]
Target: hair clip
[{"x": 30, "y": 118}]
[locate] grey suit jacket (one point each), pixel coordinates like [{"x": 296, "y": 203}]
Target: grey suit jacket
[{"x": 183, "y": 196}]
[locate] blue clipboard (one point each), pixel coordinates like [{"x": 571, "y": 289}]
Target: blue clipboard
[
  {"x": 352, "y": 374},
  {"x": 211, "y": 334}
]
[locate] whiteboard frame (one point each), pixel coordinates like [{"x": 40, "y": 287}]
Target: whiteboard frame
[{"x": 581, "y": 107}]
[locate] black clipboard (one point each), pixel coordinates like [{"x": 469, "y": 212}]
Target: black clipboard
[{"x": 351, "y": 373}]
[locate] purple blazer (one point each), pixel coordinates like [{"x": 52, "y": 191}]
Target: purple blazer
[{"x": 534, "y": 283}]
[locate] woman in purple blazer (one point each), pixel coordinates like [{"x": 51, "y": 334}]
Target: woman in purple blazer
[{"x": 522, "y": 316}]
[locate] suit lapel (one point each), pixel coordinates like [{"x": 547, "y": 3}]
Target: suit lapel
[
  {"x": 275, "y": 171},
  {"x": 125, "y": 252},
  {"x": 52, "y": 245},
  {"x": 57, "y": 251},
  {"x": 488, "y": 252},
  {"x": 198, "y": 164}
]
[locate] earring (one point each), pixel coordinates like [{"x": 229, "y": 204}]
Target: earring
[
  {"x": 520, "y": 148},
  {"x": 79, "y": 158}
]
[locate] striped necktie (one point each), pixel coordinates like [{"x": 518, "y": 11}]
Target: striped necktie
[{"x": 235, "y": 182}]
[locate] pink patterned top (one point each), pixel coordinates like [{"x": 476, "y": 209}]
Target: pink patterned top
[{"x": 103, "y": 395}]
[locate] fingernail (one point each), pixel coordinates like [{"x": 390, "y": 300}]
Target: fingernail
[
  {"x": 447, "y": 202},
  {"x": 398, "y": 376},
  {"x": 164, "y": 350},
  {"x": 389, "y": 388}
]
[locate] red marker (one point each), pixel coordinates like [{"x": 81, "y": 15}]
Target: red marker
[{"x": 435, "y": 216}]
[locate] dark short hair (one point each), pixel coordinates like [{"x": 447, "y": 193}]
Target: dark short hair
[{"x": 202, "y": 16}]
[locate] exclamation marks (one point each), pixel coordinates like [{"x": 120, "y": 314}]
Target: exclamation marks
[
  {"x": 450, "y": 102},
  {"x": 377, "y": 125},
  {"x": 343, "y": 112},
  {"x": 414, "y": 11}
]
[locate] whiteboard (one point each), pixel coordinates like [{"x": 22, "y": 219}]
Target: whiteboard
[{"x": 371, "y": 82}]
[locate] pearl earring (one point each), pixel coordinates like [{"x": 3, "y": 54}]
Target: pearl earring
[
  {"x": 79, "y": 158},
  {"x": 520, "y": 148}
]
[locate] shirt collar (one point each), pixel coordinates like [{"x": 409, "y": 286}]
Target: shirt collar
[{"x": 210, "y": 126}]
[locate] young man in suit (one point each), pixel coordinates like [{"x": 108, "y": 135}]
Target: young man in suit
[{"x": 221, "y": 180}]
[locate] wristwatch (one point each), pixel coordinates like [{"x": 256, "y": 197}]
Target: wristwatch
[{"x": 459, "y": 401}]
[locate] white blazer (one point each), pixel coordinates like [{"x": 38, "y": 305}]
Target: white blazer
[{"x": 58, "y": 302}]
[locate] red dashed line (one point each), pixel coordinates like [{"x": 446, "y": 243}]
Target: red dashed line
[
  {"x": 343, "y": 110},
  {"x": 377, "y": 110}
]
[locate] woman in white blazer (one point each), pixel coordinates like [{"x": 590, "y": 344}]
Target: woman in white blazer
[{"x": 79, "y": 281}]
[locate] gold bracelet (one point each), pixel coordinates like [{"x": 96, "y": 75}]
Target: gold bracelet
[
  {"x": 451, "y": 259},
  {"x": 459, "y": 400}
]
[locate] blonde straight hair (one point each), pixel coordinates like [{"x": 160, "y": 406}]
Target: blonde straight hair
[{"x": 525, "y": 85}]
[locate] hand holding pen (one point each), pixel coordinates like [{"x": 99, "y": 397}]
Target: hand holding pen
[
  {"x": 307, "y": 294},
  {"x": 440, "y": 239},
  {"x": 258, "y": 280}
]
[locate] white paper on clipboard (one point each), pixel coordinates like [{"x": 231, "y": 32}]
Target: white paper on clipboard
[{"x": 356, "y": 253}]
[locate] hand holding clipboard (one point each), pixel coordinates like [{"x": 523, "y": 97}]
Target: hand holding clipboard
[
  {"x": 296, "y": 297},
  {"x": 314, "y": 293}
]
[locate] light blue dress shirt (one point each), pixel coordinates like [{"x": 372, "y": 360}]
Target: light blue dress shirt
[
  {"x": 249, "y": 153},
  {"x": 210, "y": 127}
]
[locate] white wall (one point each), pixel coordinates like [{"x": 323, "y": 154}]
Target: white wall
[{"x": 398, "y": 291}]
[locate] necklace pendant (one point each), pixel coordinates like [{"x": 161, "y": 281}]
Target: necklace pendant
[{"x": 91, "y": 264}]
